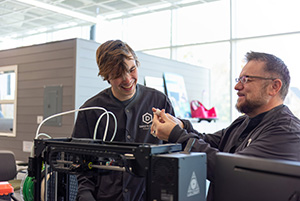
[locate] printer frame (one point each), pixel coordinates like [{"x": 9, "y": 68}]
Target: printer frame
[{"x": 70, "y": 156}]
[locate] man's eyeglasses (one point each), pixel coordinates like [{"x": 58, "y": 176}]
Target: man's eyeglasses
[{"x": 245, "y": 78}]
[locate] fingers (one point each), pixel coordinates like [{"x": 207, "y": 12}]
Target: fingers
[
  {"x": 162, "y": 124},
  {"x": 157, "y": 120},
  {"x": 157, "y": 112},
  {"x": 154, "y": 109}
]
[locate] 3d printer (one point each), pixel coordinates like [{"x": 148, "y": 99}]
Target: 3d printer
[{"x": 170, "y": 174}]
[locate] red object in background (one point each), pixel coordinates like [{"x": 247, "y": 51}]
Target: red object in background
[{"x": 199, "y": 111}]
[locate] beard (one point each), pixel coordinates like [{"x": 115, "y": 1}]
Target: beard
[{"x": 250, "y": 105}]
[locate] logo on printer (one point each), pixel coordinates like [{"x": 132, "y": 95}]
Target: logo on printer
[
  {"x": 194, "y": 188},
  {"x": 147, "y": 118}
]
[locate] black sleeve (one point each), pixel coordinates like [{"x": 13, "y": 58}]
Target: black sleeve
[
  {"x": 86, "y": 188},
  {"x": 180, "y": 135},
  {"x": 86, "y": 185}
]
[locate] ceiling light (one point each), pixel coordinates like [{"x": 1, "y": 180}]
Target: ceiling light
[
  {"x": 62, "y": 26},
  {"x": 187, "y": 1},
  {"x": 115, "y": 15},
  {"x": 60, "y": 10},
  {"x": 140, "y": 10},
  {"x": 31, "y": 32},
  {"x": 156, "y": 7},
  {"x": 72, "y": 24},
  {"x": 41, "y": 30}
]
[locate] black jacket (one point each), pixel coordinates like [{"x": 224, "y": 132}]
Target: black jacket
[
  {"x": 277, "y": 136},
  {"x": 134, "y": 122}
]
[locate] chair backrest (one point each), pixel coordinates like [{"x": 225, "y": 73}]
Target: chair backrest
[{"x": 8, "y": 168}]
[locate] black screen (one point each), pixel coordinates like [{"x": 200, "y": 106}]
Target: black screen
[{"x": 243, "y": 178}]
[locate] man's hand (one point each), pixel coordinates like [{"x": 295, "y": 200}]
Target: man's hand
[{"x": 163, "y": 124}]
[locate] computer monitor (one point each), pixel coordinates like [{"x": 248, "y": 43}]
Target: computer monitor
[{"x": 244, "y": 178}]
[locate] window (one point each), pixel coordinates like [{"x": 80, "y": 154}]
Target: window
[
  {"x": 201, "y": 23},
  {"x": 215, "y": 57},
  {"x": 264, "y": 17},
  {"x": 144, "y": 31},
  {"x": 8, "y": 89}
]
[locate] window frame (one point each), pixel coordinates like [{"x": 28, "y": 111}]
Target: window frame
[{"x": 11, "y": 101}]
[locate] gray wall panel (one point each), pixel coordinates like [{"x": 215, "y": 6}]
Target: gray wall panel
[
  {"x": 67, "y": 44},
  {"x": 42, "y": 82},
  {"x": 40, "y": 56},
  {"x": 39, "y": 65},
  {"x": 55, "y": 64}
]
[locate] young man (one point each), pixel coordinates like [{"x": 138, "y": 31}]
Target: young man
[
  {"x": 268, "y": 129},
  {"x": 132, "y": 104}
]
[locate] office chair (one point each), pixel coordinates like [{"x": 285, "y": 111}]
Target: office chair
[
  {"x": 8, "y": 167},
  {"x": 8, "y": 171}
]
